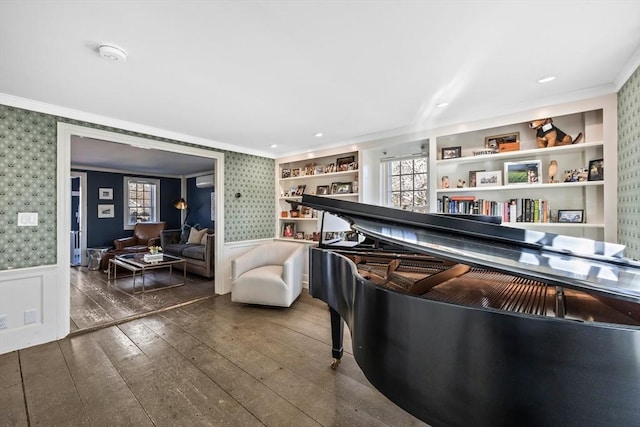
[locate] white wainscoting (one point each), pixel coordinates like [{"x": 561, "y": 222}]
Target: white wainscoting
[{"x": 32, "y": 295}]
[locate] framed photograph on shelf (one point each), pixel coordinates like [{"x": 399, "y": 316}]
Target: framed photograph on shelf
[
  {"x": 299, "y": 235},
  {"x": 451, "y": 152},
  {"x": 288, "y": 229},
  {"x": 343, "y": 188},
  {"x": 295, "y": 172},
  {"x": 300, "y": 189},
  {"x": 286, "y": 173},
  {"x": 504, "y": 142},
  {"x": 596, "y": 170},
  {"x": 488, "y": 178},
  {"x": 575, "y": 215},
  {"x": 322, "y": 190},
  {"x": 472, "y": 177},
  {"x": 343, "y": 163},
  {"x": 105, "y": 193},
  {"x": 525, "y": 172},
  {"x": 106, "y": 211},
  {"x": 319, "y": 170},
  {"x": 330, "y": 168}
]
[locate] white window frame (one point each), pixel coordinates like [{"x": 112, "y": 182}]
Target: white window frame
[
  {"x": 125, "y": 198},
  {"x": 385, "y": 172}
]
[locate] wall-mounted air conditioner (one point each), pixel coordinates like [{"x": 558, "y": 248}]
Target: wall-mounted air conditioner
[{"x": 205, "y": 181}]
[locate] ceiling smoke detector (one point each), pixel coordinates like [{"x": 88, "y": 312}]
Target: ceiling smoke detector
[{"x": 112, "y": 52}]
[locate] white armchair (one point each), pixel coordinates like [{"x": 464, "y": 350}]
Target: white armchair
[{"x": 269, "y": 274}]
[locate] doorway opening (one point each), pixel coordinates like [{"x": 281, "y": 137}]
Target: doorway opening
[{"x": 92, "y": 287}]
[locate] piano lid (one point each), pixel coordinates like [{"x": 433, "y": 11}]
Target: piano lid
[{"x": 555, "y": 259}]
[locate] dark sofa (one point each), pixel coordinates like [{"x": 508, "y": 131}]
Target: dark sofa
[{"x": 199, "y": 257}]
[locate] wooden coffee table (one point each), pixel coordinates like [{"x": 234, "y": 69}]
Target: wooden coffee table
[{"x": 136, "y": 264}]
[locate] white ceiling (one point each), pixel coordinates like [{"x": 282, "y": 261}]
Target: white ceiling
[
  {"x": 95, "y": 154},
  {"x": 243, "y": 75}
]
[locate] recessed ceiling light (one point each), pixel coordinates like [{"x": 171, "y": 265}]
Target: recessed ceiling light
[
  {"x": 546, "y": 79},
  {"x": 274, "y": 146},
  {"x": 442, "y": 104},
  {"x": 319, "y": 135},
  {"x": 112, "y": 52}
]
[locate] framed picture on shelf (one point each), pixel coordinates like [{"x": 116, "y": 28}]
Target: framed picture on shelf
[
  {"x": 322, "y": 190},
  {"x": 334, "y": 188},
  {"x": 576, "y": 215},
  {"x": 343, "y": 188},
  {"x": 343, "y": 163},
  {"x": 488, "y": 178},
  {"x": 318, "y": 170},
  {"x": 286, "y": 173},
  {"x": 105, "y": 193},
  {"x": 525, "y": 172},
  {"x": 472, "y": 177},
  {"x": 295, "y": 172},
  {"x": 451, "y": 152},
  {"x": 330, "y": 168},
  {"x": 596, "y": 170},
  {"x": 504, "y": 142},
  {"x": 300, "y": 189},
  {"x": 288, "y": 229},
  {"x": 309, "y": 169},
  {"x": 576, "y": 175},
  {"x": 299, "y": 235}
]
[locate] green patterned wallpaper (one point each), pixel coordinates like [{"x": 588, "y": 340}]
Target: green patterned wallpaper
[
  {"x": 628, "y": 171},
  {"x": 28, "y": 184}
]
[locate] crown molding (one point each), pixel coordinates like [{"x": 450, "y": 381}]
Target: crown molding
[
  {"x": 627, "y": 70},
  {"x": 69, "y": 113}
]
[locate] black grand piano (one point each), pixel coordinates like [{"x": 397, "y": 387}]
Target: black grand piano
[{"x": 462, "y": 321}]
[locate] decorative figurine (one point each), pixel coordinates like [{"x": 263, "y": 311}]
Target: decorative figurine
[
  {"x": 445, "y": 181},
  {"x": 553, "y": 170},
  {"x": 547, "y": 135},
  {"x": 461, "y": 183}
]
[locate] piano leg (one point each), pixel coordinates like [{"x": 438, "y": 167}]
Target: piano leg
[{"x": 337, "y": 329}]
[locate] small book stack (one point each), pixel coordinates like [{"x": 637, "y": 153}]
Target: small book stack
[{"x": 153, "y": 257}]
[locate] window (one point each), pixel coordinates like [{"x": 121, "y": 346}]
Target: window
[
  {"x": 407, "y": 184},
  {"x": 141, "y": 200}
]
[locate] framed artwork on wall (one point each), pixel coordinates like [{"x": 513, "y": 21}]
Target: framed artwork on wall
[
  {"x": 105, "y": 193},
  {"x": 106, "y": 211}
]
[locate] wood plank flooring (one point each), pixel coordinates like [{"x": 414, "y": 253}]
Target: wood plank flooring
[
  {"x": 96, "y": 303},
  {"x": 212, "y": 362}
]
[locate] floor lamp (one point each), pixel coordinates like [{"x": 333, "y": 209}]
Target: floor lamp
[{"x": 182, "y": 205}]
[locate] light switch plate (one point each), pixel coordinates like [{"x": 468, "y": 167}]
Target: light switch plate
[{"x": 27, "y": 219}]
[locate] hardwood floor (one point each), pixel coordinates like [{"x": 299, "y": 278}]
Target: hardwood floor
[
  {"x": 212, "y": 362},
  {"x": 96, "y": 303}
]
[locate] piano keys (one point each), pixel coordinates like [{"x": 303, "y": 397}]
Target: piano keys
[{"x": 465, "y": 322}]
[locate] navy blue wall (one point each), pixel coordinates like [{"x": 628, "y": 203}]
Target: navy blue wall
[
  {"x": 199, "y": 202},
  {"x": 102, "y": 231}
]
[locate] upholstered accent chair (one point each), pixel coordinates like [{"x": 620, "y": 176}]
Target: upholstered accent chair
[
  {"x": 269, "y": 274},
  {"x": 145, "y": 234}
]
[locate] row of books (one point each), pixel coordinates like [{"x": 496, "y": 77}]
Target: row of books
[{"x": 513, "y": 210}]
